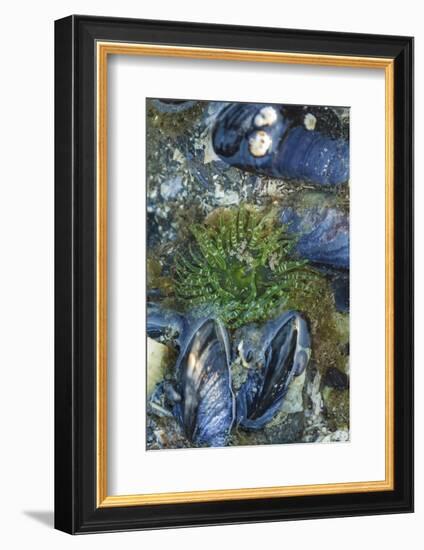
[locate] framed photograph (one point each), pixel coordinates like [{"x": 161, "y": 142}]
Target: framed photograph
[{"x": 234, "y": 274}]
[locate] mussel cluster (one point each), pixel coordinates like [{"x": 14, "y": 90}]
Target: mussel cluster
[{"x": 202, "y": 398}]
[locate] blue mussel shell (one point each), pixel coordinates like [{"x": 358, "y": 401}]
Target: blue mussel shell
[
  {"x": 322, "y": 232},
  {"x": 264, "y": 139},
  {"x": 165, "y": 323},
  {"x": 206, "y": 407},
  {"x": 285, "y": 349}
]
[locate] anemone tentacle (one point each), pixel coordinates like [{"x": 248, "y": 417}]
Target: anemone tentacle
[{"x": 242, "y": 265}]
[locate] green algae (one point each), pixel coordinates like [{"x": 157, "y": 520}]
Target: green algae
[
  {"x": 156, "y": 279},
  {"x": 173, "y": 124},
  {"x": 336, "y": 408}
]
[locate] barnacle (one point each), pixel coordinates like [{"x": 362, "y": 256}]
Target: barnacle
[{"x": 241, "y": 265}]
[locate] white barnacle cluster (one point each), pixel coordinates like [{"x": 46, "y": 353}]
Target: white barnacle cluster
[
  {"x": 266, "y": 117},
  {"x": 310, "y": 121},
  {"x": 260, "y": 142}
]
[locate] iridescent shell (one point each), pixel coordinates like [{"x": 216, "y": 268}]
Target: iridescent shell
[
  {"x": 283, "y": 353},
  {"x": 206, "y": 406}
]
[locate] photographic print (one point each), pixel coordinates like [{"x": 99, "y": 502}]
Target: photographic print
[
  {"x": 247, "y": 273},
  {"x": 208, "y": 267}
]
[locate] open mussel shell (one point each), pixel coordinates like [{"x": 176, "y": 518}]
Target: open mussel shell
[
  {"x": 206, "y": 407},
  {"x": 270, "y": 140},
  {"x": 285, "y": 350}
]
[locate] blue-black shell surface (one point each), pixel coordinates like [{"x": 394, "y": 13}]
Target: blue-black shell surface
[
  {"x": 289, "y": 149},
  {"x": 322, "y": 234},
  {"x": 285, "y": 349},
  {"x": 206, "y": 408},
  {"x": 162, "y": 323}
]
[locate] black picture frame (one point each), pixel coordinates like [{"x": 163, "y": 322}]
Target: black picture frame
[{"x": 76, "y": 509}]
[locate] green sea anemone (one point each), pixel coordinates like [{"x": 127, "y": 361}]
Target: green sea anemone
[{"x": 240, "y": 264}]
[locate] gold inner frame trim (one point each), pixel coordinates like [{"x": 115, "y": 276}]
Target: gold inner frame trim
[{"x": 103, "y": 50}]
